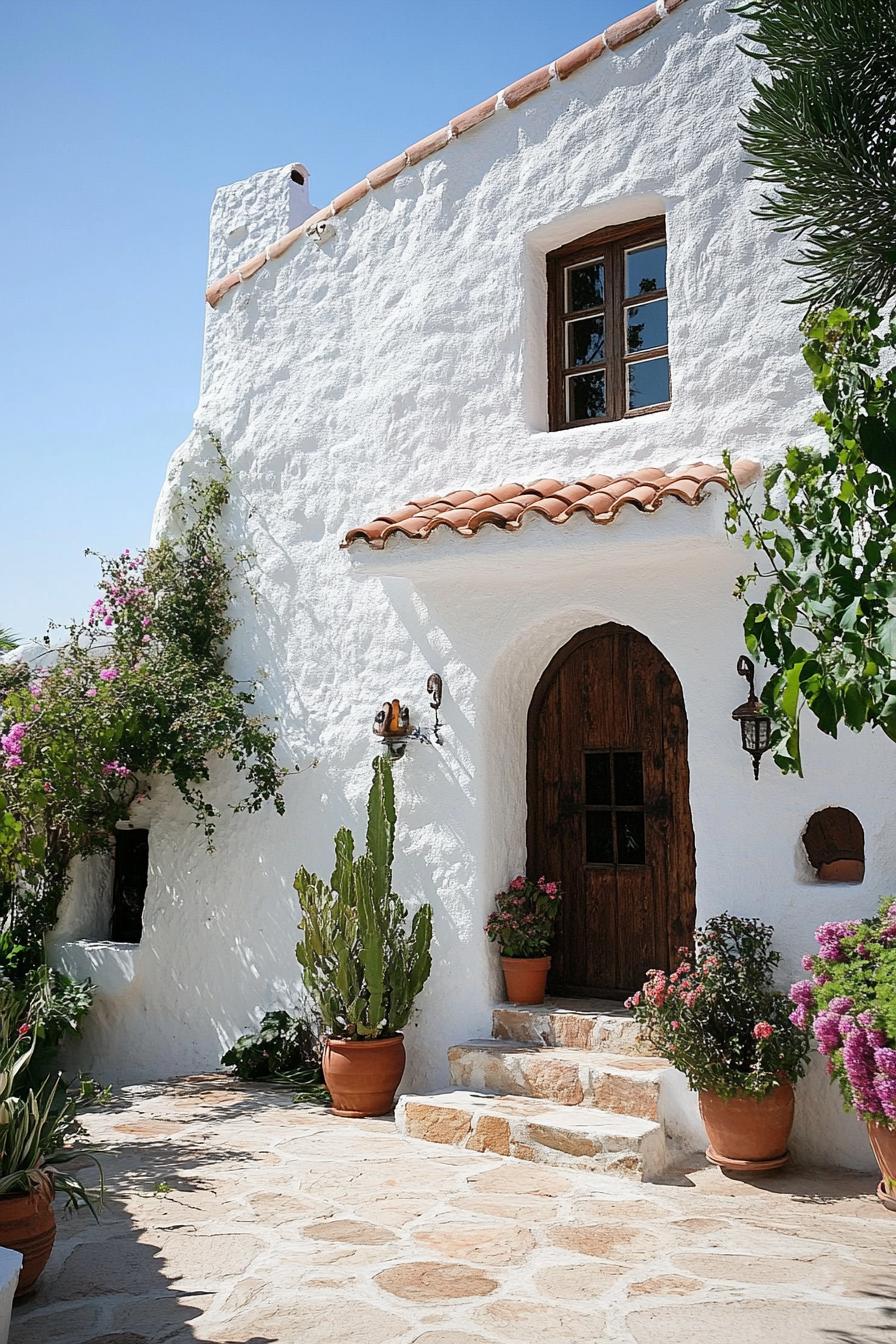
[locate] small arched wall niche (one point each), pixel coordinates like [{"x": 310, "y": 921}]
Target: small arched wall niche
[{"x": 834, "y": 842}]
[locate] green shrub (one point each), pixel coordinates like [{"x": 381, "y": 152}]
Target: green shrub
[{"x": 282, "y": 1045}]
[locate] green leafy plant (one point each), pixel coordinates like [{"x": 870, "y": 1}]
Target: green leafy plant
[
  {"x": 523, "y": 920},
  {"x": 35, "y": 1126},
  {"x": 717, "y": 1016},
  {"x": 138, "y": 689},
  {"x": 362, "y": 967},
  {"x": 283, "y": 1046},
  {"x": 821, "y": 130},
  {"x": 850, "y": 1003},
  {"x": 825, "y": 617}
]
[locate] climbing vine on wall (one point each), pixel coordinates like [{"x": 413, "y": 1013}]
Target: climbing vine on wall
[{"x": 136, "y": 690}]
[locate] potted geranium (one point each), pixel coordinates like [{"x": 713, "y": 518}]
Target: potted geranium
[
  {"x": 718, "y": 1018},
  {"x": 522, "y": 924},
  {"x": 33, "y": 1127},
  {"x": 362, "y": 967},
  {"x": 850, "y": 1002}
]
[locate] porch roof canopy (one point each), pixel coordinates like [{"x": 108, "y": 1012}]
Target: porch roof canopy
[{"x": 507, "y": 506}]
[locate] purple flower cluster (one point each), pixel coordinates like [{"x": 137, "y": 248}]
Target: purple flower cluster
[
  {"x": 830, "y": 938},
  {"x": 116, "y": 768},
  {"x": 11, "y": 744}
]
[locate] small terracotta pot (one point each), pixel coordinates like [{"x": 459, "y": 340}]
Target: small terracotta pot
[
  {"x": 525, "y": 978},
  {"x": 362, "y": 1076},
  {"x": 883, "y": 1142},
  {"x": 28, "y": 1225},
  {"x": 748, "y": 1133}
]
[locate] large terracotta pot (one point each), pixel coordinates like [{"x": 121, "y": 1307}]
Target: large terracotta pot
[
  {"x": 28, "y": 1225},
  {"x": 362, "y": 1076},
  {"x": 748, "y": 1133},
  {"x": 883, "y": 1141},
  {"x": 525, "y": 978}
]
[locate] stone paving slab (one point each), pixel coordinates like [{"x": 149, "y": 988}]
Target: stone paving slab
[{"x": 283, "y": 1224}]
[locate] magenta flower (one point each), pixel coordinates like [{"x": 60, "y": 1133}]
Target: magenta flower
[
  {"x": 108, "y": 673},
  {"x": 801, "y": 993},
  {"x": 762, "y": 1031},
  {"x": 90, "y": 692}
]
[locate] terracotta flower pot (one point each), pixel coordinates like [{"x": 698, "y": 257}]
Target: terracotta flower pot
[
  {"x": 362, "y": 1076},
  {"x": 28, "y": 1225},
  {"x": 525, "y": 978},
  {"x": 748, "y": 1133},
  {"x": 883, "y": 1142}
]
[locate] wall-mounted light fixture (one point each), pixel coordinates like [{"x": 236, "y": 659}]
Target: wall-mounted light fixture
[
  {"x": 393, "y": 721},
  {"x": 755, "y": 727}
]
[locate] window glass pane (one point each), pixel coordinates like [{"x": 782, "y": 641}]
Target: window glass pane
[
  {"x": 645, "y": 326},
  {"x": 628, "y": 779},
  {"x": 585, "y": 341},
  {"x": 599, "y": 837},
  {"x": 597, "y": 778},
  {"x": 585, "y": 286},
  {"x": 587, "y": 395},
  {"x": 645, "y": 270},
  {"x": 629, "y": 836},
  {"x": 648, "y": 383}
]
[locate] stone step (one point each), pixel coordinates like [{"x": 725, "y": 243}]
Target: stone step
[
  {"x": 578, "y": 1024},
  {"x": 536, "y": 1131},
  {"x": 622, "y": 1084}
]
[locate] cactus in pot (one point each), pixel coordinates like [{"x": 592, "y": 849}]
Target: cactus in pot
[{"x": 362, "y": 966}]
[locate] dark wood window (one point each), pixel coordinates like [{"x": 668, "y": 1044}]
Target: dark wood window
[
  {"x": 614, "y": 808},
  {"x": 608, "y": 330}
]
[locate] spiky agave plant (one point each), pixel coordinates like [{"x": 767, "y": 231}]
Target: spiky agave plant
[
  {"x": 362, "y": 967},
  {"x": 34, "y": 1125}
]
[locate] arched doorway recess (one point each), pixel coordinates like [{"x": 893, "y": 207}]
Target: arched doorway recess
[{"x": 608, "y": 809}]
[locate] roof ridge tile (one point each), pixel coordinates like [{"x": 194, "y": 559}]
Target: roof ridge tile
[
  {"x": 615, "y": 36},
  {"x": 512, "y": 503}
]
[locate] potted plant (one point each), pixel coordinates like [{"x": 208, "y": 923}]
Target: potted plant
[
  {"x": 33, "y": 1126},
  {"x": 850, "y": 1003},
  {"x": 362, "y": 967},
  {"x": 718, "y": 1018},
  {"x": 522, "y": 924}
]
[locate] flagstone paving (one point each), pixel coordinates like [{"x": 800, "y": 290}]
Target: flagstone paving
[{"x": 235, "y": 1217}]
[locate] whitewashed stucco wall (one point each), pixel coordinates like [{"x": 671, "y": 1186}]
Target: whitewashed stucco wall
[{"x": 406, "y": 354}]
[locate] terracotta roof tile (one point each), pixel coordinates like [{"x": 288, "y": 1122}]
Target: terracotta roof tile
[
  {"x": 599, "y": 497},
  {"x": 626, "y": 30}
]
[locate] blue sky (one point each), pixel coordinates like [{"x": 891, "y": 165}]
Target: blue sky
[{"x": 120, "y": 118}]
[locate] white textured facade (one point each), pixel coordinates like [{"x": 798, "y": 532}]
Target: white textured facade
[{"x": 405, "y": 355}]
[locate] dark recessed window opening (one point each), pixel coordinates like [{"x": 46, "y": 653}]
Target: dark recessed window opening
[
  {"x": 608, "y": 330},
  {"x": 614, "y": 809},
  {"x": 834, "y": 841},
  {"x": 297, "y": 177},
  {"x": 129, "y": 885}
]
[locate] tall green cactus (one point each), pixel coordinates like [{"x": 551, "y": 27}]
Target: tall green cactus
[{"x": 362, "y": 967}]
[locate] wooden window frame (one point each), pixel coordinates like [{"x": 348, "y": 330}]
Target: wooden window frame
[
  {"x": 612, "y": 808},
  {"x": 610, "y": 246}
]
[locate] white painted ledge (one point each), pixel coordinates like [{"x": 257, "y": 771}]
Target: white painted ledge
[{"x": 111, "y": 966}]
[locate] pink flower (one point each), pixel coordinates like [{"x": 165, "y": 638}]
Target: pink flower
[
  {"x": 108, "y": 673},
  {"x": 90, "y": 692},
  {"x": 674, "y": 1025},
  {"x": 550, "y": 888},
  {"x": 116, "y": 768},
  {"x": 762, "y": 1031},
  {"x": 146, "y": 622},
  {"x": 800, "y": 1017},
  {"x": 517, "y": 884}
]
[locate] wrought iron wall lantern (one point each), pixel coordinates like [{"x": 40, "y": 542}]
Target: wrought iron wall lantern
[
  {"x": 755, "y": 727},
  {"x": 393, "y": 721}
]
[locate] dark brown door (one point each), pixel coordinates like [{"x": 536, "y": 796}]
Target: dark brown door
[{"x": 609, "y": 815}]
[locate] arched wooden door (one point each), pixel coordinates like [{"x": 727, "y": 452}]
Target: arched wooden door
[{"x": 608, "y": 810}]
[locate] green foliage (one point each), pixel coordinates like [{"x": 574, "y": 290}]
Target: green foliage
[
  {"x": 825, "y": 617},
  {"x": 361, "y": 966},
  {"x": 35, "y": 1126},
  {"x": 822, "y": 133},
  {"x": 8, "y": 641},
  {"x": 283, "y": 1044},
  {"x": 717, "y": 1016},
  {"x": 139, "y": 689}
]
